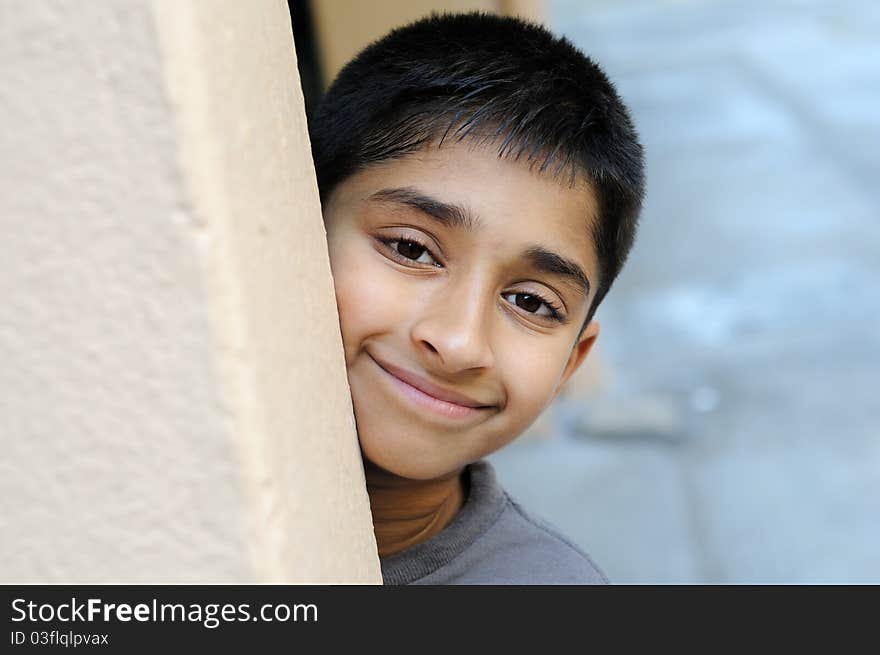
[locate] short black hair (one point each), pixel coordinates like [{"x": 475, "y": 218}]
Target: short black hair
[{"x": 495, "y": 79}]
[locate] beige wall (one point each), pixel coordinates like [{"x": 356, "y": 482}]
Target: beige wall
[
  {"x": 173, "y": 405},
  {"x": 344, "y": 27}
]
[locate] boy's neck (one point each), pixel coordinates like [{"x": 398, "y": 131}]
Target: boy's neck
[{"x": 407, "y": 512}]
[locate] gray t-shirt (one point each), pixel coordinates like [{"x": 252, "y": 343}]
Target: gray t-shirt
[{"x": 492, "y": 541}]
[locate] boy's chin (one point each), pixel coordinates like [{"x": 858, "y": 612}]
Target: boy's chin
[{"x": 415, "y": 468}]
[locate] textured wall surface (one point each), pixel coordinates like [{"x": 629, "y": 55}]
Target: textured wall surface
[{"x": 173, "y": 404}]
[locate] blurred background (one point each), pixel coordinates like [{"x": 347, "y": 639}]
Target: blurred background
[{"x": 727, "y": 428}]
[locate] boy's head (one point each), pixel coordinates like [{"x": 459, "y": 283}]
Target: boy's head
[{"x": 481, "y": 183}]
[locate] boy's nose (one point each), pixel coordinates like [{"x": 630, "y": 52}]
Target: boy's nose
[{"x": 455, "y": 335}]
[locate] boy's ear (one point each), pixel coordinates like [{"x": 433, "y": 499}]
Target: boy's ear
[{"x": 579, "y": 352}]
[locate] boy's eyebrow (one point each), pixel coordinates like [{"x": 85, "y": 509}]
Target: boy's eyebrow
[
  {"x": 449, "y": 214},
  {"x": 549, "y": 262},
  {"x": 452, "y": 215}
]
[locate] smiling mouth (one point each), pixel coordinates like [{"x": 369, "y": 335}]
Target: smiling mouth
[{"x": 428, "y": 396}]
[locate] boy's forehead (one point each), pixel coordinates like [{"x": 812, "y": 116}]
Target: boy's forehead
[{"x": 504, "y": 199}]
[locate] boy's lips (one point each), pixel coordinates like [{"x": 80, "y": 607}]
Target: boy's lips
[{"x": 428, "y": 388}]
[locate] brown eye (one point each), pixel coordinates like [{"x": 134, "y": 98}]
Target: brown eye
[
  {"x": 528, "y": 302},
  {"x": 534, "y": 304},
  {"x": 410, "y": 249}
]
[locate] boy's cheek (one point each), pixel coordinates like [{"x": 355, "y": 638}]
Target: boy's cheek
[
  {"x": 524, "y": 410},
  {"x": 531, "y": 378},
  {"x": 366, "y": 305}
]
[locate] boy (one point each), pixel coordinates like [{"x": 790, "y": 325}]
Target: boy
[{"x": 481, "y": 182}]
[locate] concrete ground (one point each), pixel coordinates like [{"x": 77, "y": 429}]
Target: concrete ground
[{"x": 734, "y": 436}]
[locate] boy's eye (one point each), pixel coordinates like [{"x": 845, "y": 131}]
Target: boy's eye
[
  {"x": 533, "y": 304},
  {"x": 412, "y": 250}
]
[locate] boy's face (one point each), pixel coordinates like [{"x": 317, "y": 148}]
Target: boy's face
[{"x": 451, "y": 266}]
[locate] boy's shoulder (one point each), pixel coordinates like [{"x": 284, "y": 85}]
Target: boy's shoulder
[
  {"x": 536, "y": 552},
  {"x": 493, "y": 540}
]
